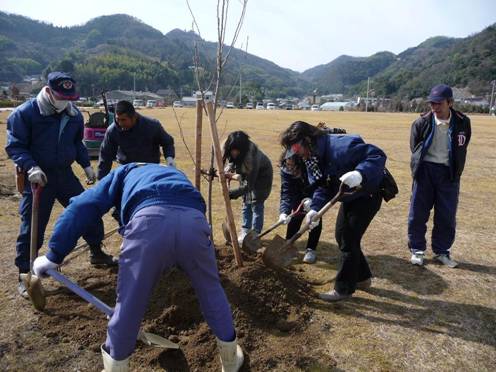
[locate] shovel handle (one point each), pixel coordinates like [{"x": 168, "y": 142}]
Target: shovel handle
[
  {"x": 320, "y": 213},
  {"x": 147, "y": 338},
  {"x": 279, "y": 223},
  {"x": 99, "y": 304},
  {"x": 35, "y": 206}
]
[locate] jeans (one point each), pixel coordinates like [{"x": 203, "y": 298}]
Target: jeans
[{"x": 253, "y": 216}]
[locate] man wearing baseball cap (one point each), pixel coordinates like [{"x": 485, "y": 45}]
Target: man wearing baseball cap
[
  {"x": 44, "y": 138},
  {"x": 438, "y": 142}
]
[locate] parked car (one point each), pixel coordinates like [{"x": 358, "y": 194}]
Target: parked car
[
  {"x": 260, "y": 106},
  {"x": 249, "y": 106},
  {"x": 271, "y": 106},
  {"x": 315, "y": 108},
  {"x": 177, "y": 104},
  {"x": 229, "y": 105},
  {"x": 138, "y": 103},
  {"x": 151, "y": 103}
]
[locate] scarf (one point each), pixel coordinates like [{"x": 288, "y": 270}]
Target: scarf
[
  {"x": 49, "y": 106},
  {"x": 314, "y": 172}
]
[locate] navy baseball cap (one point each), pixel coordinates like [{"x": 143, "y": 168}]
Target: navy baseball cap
[
  {"x": 439, "y": 93},
  {"x": 63, "y": 86}
]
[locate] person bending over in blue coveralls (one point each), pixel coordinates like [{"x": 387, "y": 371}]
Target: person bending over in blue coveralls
[
  {"x": 44, "y": 138},
  {"x": 164, "y": 226},
  {"x": 438, "y": 141},
  {"x": 331, "y": 158}
]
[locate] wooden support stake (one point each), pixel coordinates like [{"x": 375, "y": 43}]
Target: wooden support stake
[
  {"x": 198, "y": 143},
  {"x": 210, "y": 183},
  {"x": 222, "y": 176}
]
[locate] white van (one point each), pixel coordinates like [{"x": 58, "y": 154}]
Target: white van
[
  {"x": 151, "y": 103},
  {"x": 271, "y": 106},
  {"x": 138, "y": 103}
]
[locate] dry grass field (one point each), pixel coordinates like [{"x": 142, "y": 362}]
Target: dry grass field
[{"x": 430, "y": 318}]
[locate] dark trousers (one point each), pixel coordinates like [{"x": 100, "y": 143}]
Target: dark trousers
[
  {"x": 313, "y": 236},
  {"x": 352, "y": 221},
  {"x": 433, "y": 188},
  {"x": 62, "y": 185}
]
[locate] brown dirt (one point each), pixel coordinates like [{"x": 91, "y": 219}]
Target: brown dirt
[
  {"x": 265, "y": 303},
  {"x": 430, "y": 319}
]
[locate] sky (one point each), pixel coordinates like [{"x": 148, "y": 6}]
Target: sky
[{"x": 294, "y": 34}]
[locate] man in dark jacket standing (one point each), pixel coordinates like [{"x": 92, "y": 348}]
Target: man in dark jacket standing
[
  {"x": 438, "y": 142},
  {"x": 44, "y": 138},
  {"x": 134, "y": 138}
]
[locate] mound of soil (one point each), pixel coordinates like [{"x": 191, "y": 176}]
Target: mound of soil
[{"x": 271, "y": 310}]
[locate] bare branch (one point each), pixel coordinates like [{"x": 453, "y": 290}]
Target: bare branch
[
  {"x": 194, "y": 18},
  {"x": 178, "y": 122}
]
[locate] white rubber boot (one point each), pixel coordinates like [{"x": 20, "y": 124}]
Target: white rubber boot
[
  {"x": 112, "y": 365},
  {"x": 231, "y": 355}
]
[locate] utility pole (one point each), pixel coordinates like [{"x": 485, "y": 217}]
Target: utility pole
[
  {"x": 134, "y": 85},
  {"x": 367, "y": 99},
  {"x": 492, "y": 102},
  {"x": 240, "y": 71}
]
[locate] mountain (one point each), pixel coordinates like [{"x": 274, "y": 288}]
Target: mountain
[
  {"x": 118, "y": 51},
  {"x": 466, "y": 62},
  {"x": 345, "y": 71},
  {"x": 462, "y": 62}
]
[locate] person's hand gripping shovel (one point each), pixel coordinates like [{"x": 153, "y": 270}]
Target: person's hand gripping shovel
[
  {"x": 280, "y": 253},
  {"x": 252, "y": 242}
]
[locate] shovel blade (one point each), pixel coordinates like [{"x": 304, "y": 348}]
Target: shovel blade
[
  {"x": 225, "y": 231},
  {"x": 278, "y": 253},
  {"x": 152, "y": 339},
  {"x": 35, "y": 290},
  {"x": 251, "y": 242}
]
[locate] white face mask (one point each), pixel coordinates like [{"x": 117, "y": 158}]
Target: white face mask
[{"x": 58, "y": 105}]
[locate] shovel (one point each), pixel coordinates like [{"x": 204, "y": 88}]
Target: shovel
[
  {"x": 148, "y": 338},
  {"x": 31, "y": 281},
  {"x": 251, "y": 241},
  {"x": 281, "y": 255}
]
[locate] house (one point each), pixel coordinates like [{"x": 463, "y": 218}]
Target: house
[
  {"x": 168, "y": 95},
  {"x": 129, "y": 95},
  {"x": 337, "y": 106}
]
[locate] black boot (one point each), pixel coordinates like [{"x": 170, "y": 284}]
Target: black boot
[{"x": 100, "y": 258}]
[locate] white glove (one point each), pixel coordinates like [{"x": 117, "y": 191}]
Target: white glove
[
  {"x": 170, "y": 161},
  {"x": 351, "y": 179},
  {"x": 41, "y": 265},
  {"x": 90, "y": 175},
  {"x": 36, "y": 175},
  {"x": 284, "y": 218},
  {"x": 310, "y": 219},
  {"x": 307, "y": 203}
]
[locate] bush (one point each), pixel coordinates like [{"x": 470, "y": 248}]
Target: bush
[{"x": 9, "y": 103}]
